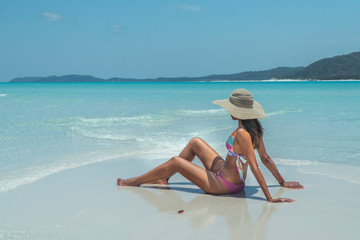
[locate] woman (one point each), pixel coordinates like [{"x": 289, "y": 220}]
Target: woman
[{"x": 222, "y": 176}]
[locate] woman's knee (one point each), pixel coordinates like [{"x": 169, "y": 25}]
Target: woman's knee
[
  {"x": 196, "y": 141},
  {"x": 177, "y": 161}
]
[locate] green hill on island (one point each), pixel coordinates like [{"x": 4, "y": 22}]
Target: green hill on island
[
  {"x": 336, "y": 68},
  {"x": 339, "y": 67}
]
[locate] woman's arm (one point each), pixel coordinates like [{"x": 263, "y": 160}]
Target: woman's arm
[
  {"x": 244, "y": 141},
  {"x": 266, "y": 160}
]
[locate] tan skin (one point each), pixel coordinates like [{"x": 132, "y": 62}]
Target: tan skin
[{"x": 207, "y": 179}]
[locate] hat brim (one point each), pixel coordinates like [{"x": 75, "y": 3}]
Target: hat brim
[{"x": 242, "y": 113}]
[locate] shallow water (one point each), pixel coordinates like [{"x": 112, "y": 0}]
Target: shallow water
[{"x": 47, "y": 128}]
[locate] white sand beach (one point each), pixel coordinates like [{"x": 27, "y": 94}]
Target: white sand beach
[{"x": 85, "y": 203}]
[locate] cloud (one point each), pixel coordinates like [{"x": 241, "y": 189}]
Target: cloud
[
  {"x": 189, "y": 8},
  {"x": 51, "y": 17},
  {"x": 116, "y": 28}
]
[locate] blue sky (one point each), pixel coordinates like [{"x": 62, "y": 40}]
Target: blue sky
[{"x": 150, "y": 38}]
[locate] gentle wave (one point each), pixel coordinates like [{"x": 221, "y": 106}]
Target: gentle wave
[
  {"x": 349, "y": 174},
  {"x": 107, "y": 122},
  {"x": 146, "y": 118},
  {"x": 110, "y": 128},
  {"x": 3, "y": 95},
  {"x": 220, "y": 111},
  {"x": 154, "y": 118},
  {"x": 103, "y": 135},
  {"x": 33, "y": 174},
  {"x": 152, "y": 148},
  {"x": 86, "y": 126},
  {"x": 294, "y": 162},
  {"x": 284, "y": 111}
]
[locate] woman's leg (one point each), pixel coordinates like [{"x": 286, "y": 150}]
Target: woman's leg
[
  {"x": 199, "y": 148},
  {"x": 204, "y": 179},
  {"x": 207, "y": 155}
]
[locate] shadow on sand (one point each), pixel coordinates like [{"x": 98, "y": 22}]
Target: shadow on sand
[{"x": 204, "y": 210}]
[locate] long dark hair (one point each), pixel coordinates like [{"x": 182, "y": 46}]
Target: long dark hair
[{"x": 254, "y": 128}]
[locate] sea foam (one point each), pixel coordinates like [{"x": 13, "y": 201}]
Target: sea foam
[
  {"x": 32, "y": 174},
  {"x": 144, "y": 118},
  {"x": 294, "y": 162},
  {"x": 205, "y": 112},
  {"x": 282, "y": 112},
  {"x": 347, "y": 173}
]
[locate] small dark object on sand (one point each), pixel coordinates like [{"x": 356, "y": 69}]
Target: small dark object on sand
[{"x": 180, "y": 211}]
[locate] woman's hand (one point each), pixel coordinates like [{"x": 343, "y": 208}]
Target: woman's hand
[
  {"x": 281, "y": 200},
  {"x": 295, "y": 185}
]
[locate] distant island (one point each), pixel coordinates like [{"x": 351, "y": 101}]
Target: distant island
[{"x": 342, "y": 67}]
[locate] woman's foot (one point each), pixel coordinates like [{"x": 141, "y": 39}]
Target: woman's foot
[
  {"x": 126, "y": 182},
  {"x": 162, "y": 181}
]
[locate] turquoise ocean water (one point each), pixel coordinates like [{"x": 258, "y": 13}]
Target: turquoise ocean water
[{"x": 48, "y": 128}]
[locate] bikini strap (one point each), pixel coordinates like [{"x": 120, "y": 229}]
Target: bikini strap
[{"x": 239, "y": 165}]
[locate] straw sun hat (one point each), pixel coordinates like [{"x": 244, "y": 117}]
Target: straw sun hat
[{"x": 242, "y": 105}]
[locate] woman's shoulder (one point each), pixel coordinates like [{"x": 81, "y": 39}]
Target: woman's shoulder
[
  {"x": 241, "y": 133},
  {"x": 241, "y": 130}
]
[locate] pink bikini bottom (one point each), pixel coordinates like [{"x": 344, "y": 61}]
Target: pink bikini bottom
[{"x": 232, "y": 188}]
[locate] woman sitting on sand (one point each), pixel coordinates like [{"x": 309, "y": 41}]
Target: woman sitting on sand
[{"x": 223, "y": 176}]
